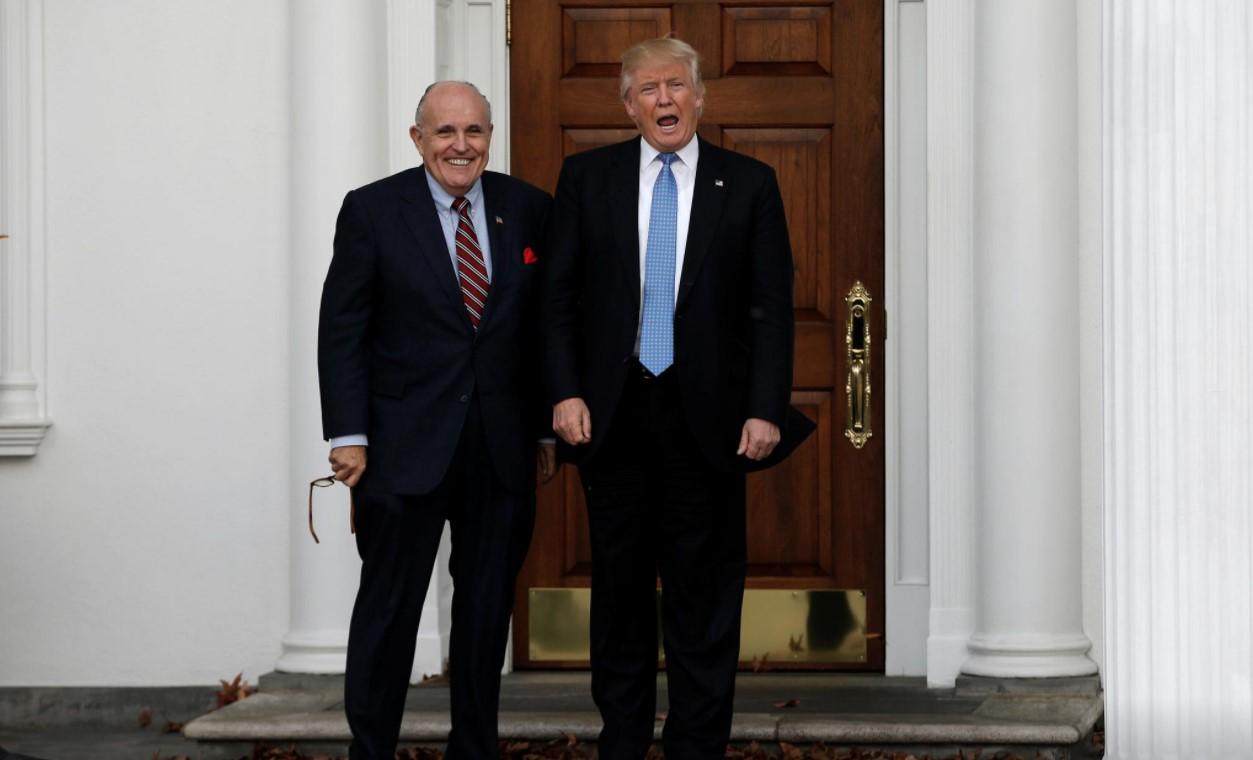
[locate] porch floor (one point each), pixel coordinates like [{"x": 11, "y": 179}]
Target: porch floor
[
  {"x": 1054, "y": 717},
  {"x": 1027, "y": 718}
]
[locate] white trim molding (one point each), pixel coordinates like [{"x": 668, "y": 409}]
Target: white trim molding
[
  {"x": 950, "y": 334},
  {"x": 23, "y": 397},
  {"x": 1178, "y": 205}
]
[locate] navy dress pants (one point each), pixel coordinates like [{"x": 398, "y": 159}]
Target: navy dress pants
[
  {"x": 398, "y": 537},
  {"x": 657, "y": 507}
]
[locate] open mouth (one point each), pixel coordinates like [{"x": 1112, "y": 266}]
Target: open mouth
[
  {"x": 459, "y": 161},
  {"x": 665, "y": 122}
]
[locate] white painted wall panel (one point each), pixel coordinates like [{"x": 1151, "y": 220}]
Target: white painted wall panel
[{"x": 147, "y": 542}]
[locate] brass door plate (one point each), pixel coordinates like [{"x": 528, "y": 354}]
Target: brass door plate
[{"x": 783, "y": 626}]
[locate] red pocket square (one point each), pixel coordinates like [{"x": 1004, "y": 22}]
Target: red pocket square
[{"x": 528, "y": 256}]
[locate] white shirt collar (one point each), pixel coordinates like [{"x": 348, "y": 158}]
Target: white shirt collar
[
  {"x": 444, "y": 201},
  {"x": 688, "y": 154}
]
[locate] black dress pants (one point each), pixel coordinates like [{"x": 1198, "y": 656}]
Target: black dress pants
[
  {"x": 656, "y": 506},
  {"x": 398, "y": 537}
]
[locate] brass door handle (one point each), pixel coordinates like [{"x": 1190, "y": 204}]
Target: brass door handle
[{"x": 857, "y": 388}]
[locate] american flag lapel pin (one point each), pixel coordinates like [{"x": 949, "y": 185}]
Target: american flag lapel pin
[{"x": 717, "y": 183}]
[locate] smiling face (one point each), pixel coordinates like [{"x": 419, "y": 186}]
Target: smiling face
[
  {"x": 454, "y": 136},
  {"x": 664, "y": 104}
]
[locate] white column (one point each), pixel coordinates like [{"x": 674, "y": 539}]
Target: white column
[
  {"x": 950, "y": 335},
  {"x": 1027, "y": 425},
  {"x": 411, "y": 66},
  {"x": 1178, "y": 126},
  {"x": 23, "y": 413},
  {"x": 339, "y": 141}
]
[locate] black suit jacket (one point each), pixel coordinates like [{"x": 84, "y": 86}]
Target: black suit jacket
[
  {"x": 733, "y": 320},
  {"x": 398, "y": 358}
]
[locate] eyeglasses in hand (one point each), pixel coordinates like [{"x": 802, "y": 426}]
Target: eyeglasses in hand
[{"x": 326, "y": 482}]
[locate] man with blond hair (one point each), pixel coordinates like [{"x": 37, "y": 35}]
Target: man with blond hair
[
  {"x": 423, "y": 360},
  {"x": 668, "y": 358}
]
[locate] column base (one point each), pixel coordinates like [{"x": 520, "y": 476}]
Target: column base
[
  {"x": 21, "y": 438},
  {"x": 1034, "y": 656},
  {"x": 324, "y": 652}
]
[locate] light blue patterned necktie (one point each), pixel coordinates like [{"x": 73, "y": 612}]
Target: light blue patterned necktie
[{"x": 657, "y": 332}]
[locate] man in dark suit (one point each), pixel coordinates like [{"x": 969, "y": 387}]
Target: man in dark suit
[
  {"x": 668, "y": 355},
  {"x": 423, "y": 344}
]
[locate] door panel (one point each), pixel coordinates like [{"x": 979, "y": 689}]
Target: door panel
[{"x": 798, "y": 85}]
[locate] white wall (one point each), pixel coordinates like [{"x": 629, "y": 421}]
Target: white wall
[{"x": 146, "y": 543}]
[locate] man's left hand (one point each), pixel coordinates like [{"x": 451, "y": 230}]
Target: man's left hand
[
  {"x": 545, "y": 462},
  {"x": 758, "y": 438}
]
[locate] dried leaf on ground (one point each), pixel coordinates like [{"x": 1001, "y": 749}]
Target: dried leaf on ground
[
  {"x": 145, "y": 717},
  {"x": 234, "y": 690},
  {"x": 793, "y": 702},
  {"x": 172, "y": 727}
]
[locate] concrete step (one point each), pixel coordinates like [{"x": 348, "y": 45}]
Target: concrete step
[{"x": 1048, "y": 719}]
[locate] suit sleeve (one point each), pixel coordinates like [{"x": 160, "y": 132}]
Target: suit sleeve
[
  {"x": 560, "y": 294},
  {"x": 344, "y": 324},
  {"x": 541, "y": 416},
  {"x": 770, "y": 310}
]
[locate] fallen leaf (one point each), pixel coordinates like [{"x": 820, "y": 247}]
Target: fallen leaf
[
  {"x": 234, "y": 691},
  {"x": 793, "y": 702},
  {"x": 145, "y": 717},
  {"x": 171, "y": 727}
]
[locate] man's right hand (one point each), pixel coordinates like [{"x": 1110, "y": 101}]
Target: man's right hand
[
  {"x": 572, "y": 421},
  {"x": 348, "y": 462}
]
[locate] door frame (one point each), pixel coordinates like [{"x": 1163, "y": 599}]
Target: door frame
[{"x": 906, "y": 539}]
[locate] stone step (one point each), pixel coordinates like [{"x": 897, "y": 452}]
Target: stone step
[{"x": 1053, "y": 720}]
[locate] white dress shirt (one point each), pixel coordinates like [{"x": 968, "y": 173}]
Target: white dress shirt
[{"x": 684, "y": 169}]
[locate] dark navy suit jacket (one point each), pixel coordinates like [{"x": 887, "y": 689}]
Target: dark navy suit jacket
[
  {"x": 398, "y": 358},
  {"x": 733, "y": 320}
]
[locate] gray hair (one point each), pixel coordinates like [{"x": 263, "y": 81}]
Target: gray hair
[
  {"x": 417, "y": 114},
  {"x": 663, "y": 51}
]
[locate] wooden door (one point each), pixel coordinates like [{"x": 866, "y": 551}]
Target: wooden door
[{"x": 797, "y": 84}]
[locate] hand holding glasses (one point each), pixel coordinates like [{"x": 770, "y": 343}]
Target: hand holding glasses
[{"x": 326, "y": 482}]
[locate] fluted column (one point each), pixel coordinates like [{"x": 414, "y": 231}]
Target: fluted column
[
  {"x": 1178, "y": 133},
  {"x": 1027, "y": 425},
  {"x": 339, "y": 141},
  {"x": 23, "y": 414},
  {"x": 950, "y": 335}
]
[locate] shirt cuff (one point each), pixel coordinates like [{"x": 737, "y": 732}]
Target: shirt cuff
[
  {"x": 550, "y": 441},
  {"x": 340, "y": 441}
]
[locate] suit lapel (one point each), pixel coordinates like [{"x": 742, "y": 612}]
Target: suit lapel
[
  {"x": 708, "y": 199},
  {"x": 624, "y": 202},
  {"x": 496, "y": 206},
  {"x": 420, "y": 216}
]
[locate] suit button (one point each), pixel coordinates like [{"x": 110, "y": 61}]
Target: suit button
[{"x": 465, "y": 398}]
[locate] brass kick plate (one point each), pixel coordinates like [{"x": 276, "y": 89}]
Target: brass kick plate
[{"x": 778, "y": 625}]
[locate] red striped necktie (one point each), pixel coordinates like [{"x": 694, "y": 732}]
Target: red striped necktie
[{"x": 471, "y": 269}]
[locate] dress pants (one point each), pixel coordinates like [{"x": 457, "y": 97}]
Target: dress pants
[
  {"x": 656, "y": 506},
  {"x": 398, "y": 537}
]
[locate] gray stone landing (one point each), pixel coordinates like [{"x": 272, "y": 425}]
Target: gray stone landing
[{"x": 1052, "y": 718}]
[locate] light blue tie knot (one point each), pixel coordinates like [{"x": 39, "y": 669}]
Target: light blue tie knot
[{"x": 657, "y": 330}]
